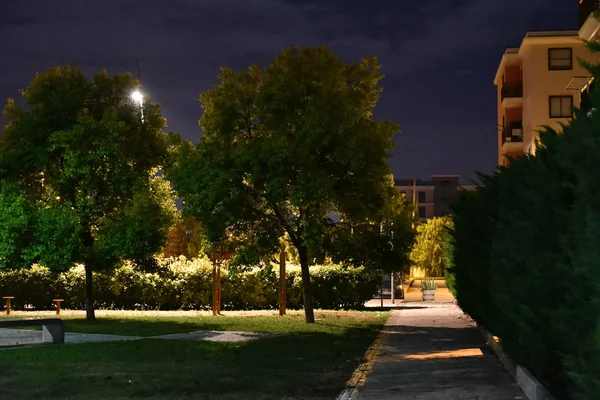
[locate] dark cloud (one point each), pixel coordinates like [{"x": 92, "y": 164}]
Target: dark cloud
[{"x": 439, "y": 56}]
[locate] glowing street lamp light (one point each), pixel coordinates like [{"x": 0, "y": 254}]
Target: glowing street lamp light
[{"x": 138, "y": 97}]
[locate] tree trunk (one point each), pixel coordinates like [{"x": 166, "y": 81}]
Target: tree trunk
[
  {"x": 282, "y": 281},
  {"x": 89, "y": 293},
  {"x": 309, "y": 314}
]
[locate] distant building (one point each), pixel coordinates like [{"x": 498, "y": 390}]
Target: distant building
[
  {"x": 540, "y": 82},
  {"x": 434, "y": 196}
]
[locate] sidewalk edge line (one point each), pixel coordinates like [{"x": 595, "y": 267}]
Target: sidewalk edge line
[{"x": 360, "y": 374}]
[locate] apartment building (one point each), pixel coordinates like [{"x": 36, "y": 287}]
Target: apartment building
[
  {"x": 540, "y": 82},
  {"x": 434, "y": 196}
]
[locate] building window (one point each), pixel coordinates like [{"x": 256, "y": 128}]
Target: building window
[
  {"x": 560, "y": 59},
  {"x": 422, "y": 212},
  {"x": 422, "y": 197},
  {"x": 445, "y": 183},
  {"x": 561, "y": 106}
]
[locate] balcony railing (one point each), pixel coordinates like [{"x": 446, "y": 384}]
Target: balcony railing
[
  {"x": 511, "y": 90},
  {"x": 513, "y": 133}
]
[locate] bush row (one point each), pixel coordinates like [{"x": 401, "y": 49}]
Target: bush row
[
  {"x": 187, "y": 284},
  {"x": 527, "y": 257}
]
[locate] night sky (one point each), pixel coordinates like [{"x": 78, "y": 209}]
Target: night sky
[{"x": 439, "y": 56}]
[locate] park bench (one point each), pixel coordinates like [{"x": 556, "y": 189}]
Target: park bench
[{"x": 53, "y": 329}]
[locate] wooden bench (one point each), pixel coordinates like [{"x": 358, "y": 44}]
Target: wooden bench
[{"x": 53, "y": 329}]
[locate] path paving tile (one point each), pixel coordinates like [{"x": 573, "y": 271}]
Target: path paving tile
[
  {"x": 216, "y": 336},
  {"x": 25, "y": 337},
  {"x": 434, "y": 351}
]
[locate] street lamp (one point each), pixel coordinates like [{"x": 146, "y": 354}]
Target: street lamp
[{"x": 138, "y": 97}]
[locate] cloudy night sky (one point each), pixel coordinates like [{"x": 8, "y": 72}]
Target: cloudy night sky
[{"x": 439, "y": 56}]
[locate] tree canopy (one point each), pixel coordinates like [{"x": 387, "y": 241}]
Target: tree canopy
[
  {"x": 79, "y": 165},
  {"x": 430, "y": 251},
  {"x": 382, "y": 245},
  {"x": 283, "y": 148}
]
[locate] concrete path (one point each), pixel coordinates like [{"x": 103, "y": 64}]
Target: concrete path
[
  {"x": 442, "y": 294},
  {"x": 25, "y": 337},
  {"x": 434, "y": 351},
  {"x": 412, "y": 294},
  {"x": 215, "y": 336}
]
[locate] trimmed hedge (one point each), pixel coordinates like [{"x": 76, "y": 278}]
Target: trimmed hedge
[
  {"x": 187, "y": 284},
  {"x": 527, "y": 257}
]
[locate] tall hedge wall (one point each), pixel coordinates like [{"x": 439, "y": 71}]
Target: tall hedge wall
[
  {"x": 527, "y": 257},
  {"x": 187, "y": 284}
]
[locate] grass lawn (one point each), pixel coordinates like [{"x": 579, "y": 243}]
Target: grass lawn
[{"x": 304, "y": 362}]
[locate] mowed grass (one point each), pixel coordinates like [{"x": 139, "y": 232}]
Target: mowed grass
[
  {"x": 302, "y": 362},
  {"x": 156, "y": 323}
]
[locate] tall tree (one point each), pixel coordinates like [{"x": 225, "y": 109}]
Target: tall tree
[
  {"x": 84, "y": 157},
  {"x": 430, "y": 251},
  {"x": 285, "y": 146}
]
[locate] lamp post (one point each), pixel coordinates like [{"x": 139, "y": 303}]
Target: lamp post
[{"x": 138, "y": 98}]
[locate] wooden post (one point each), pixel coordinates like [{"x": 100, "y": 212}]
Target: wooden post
[
  {"x": 8, "y": 299},
  {"x": 218, "y": 257},
  {"x": 57, "y": 301},
  {"x": 282, "y": 282}
]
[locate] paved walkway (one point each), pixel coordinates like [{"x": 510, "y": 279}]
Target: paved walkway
[
  {"x": 25, "y": 337},
  {"x": 434, "y": 351},
  {"x": 413, "y": 293}
]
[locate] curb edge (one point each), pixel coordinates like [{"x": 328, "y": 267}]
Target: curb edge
[{"x": 534, "y": 389}]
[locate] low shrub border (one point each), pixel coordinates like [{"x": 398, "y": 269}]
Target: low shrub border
[{"x": 187, "y": 284}]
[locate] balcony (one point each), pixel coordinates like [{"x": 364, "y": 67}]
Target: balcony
[
  {"x": 512, "y": 138},
  {"x": 589, "y": 21},
  {"x": 511, "y": 95}
]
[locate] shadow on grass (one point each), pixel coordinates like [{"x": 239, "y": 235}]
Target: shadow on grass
[{"x": 309, "y": 366}]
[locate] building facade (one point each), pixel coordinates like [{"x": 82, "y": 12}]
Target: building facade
[
  {"x": 540, "y": 82},
  {"x": 435, "y": 196}
]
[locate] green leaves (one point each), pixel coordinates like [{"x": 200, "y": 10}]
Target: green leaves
[
  {"x": 16, "y": 216},
  {"x": 526, "y": 255},
  {"x": 83, "y": 161},
  {"x": 285, "y": 146},
  {"x": 430, "y": 250}
]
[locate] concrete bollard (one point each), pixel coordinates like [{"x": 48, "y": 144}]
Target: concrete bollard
[{"x": 53, "y": 333}]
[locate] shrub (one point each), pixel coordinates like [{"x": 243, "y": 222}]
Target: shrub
[
  {"x": 526, "y": 251},
  {"x": 187, "y": 284}
]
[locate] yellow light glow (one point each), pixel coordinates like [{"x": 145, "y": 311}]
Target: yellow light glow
[{"x": 474, "y": 352}]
